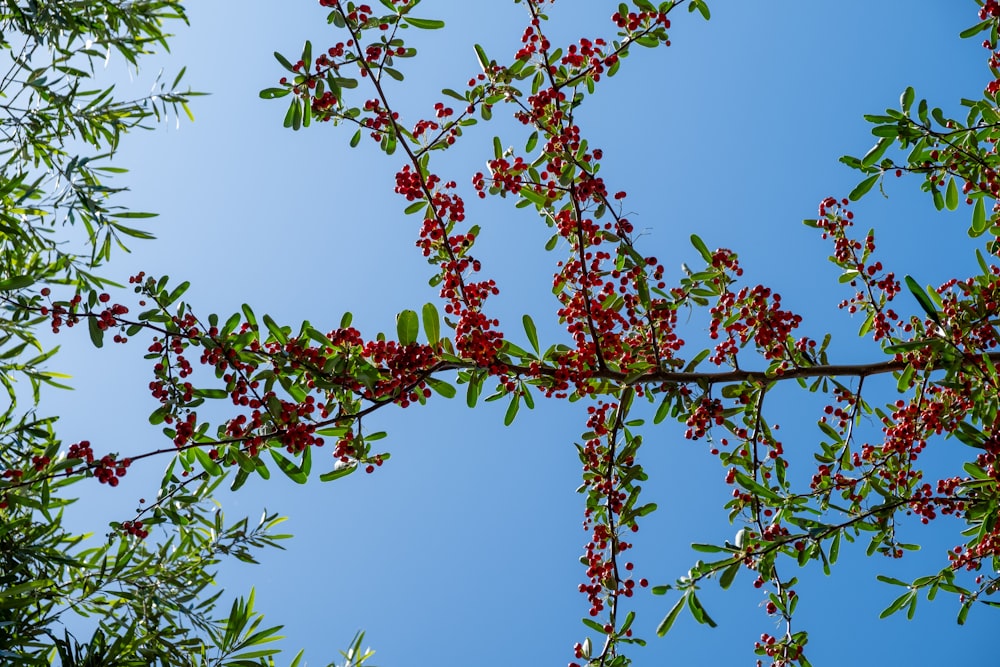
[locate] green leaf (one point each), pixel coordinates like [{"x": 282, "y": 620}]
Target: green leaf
[
  {"x": 440, "y": 387},
  {"x": 876, "y": 152},
  {"x": 978, "y": 218},
  {"x": 274, "y": 93},
  {"x": 702, "y": 249},
  {"x": 472, "y": 393},
  {"x": 951, "y": 195},
  {"x": 484, "y": 62},
  {"x": 432, "y": 323},
  {"x": 96, "y": 333},
  {"x": 275, "y": 330},
  {"x": 922, "y": 298},
  {"x": 862, "y": 188},
  {"x": 292, "y": 471},
  {"x": 897, "y": 604},
  {"x": 337, "y": 474},
  {"x": 906, "y": 99},
  {"x": 531, "y": 333},
  {"x": 307, "y": 59},
  {"x": 905, "y": 380},
  {"x": 668, "y": 620},
  {"x": 726, "y": 580},
  {"x": 976, "y": 29},
  {"x": 512, "y": 408},
  {"x": 284, "y": 62},
  {"x": 531, "y": 143},
  {"x": 16, "y": 282},
  {"x": 698, "y": 611},
  {"x": 424, "y": 24},
  {"x": 407, "y": 327},
  {"x": 210, "y": 466}
]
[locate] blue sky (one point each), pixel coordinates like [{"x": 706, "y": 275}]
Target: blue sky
[{"x": 463, "y": 549}]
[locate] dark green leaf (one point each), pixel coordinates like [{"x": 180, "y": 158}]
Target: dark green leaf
[
  {"x": 668, "y": 620},
  {"x": 729, "y": 574},
  {"x": 698, "y": 611},
  {"x": 863, "y": 187},
  {"x": 96, "y": 332},
  {"x": 284, "y": 62},
  {"x": 922, "y": 298},
  {"x": 702, "y": 249}
]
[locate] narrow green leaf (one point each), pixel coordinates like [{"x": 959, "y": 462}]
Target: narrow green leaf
[
  {"x": 699, "y": 612},
  {"x": 896, "y": 605},
  {"x": 862, "y": 188},
  {"x": 284, "y": 62},
  {"x": 976, "y": 29},
  {"x": 292, "y": 471},
  {"x": 275, "y": 330},
  {"x": 512, "y": 408},
  {"x": 922, "y": 298},
  {"x": 484, "y": 62},
  {"x": 424, "y": 24},
  {"x": 702, "y": 249},
  {"x": 668, "y": 620},
  {"x": 531, "y": 333},
  {"x": 307, "y": 55},
  {"x": 472, "y": 393}
]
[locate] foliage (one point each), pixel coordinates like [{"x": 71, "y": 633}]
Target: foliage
[
  {"x": 148, "y": 599},
  {"x": 295, "y": 389}
]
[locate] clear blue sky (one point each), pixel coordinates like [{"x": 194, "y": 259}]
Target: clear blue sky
[{"x": 463, "y": 549}]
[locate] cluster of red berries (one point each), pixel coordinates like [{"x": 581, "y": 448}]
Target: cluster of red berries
[
  {"x": 633, "y": 21},
  {"x": 135, "y": 529},
  {"x": 108, "y": 469}
]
